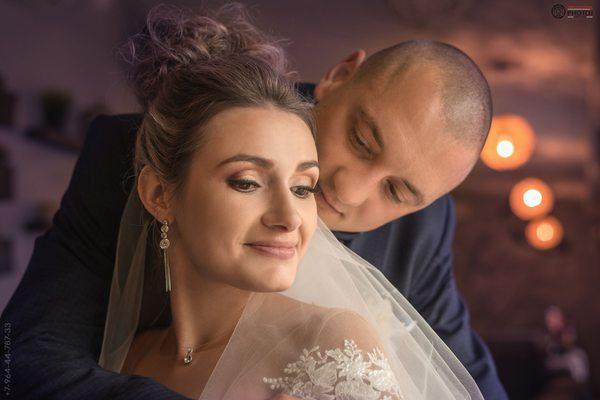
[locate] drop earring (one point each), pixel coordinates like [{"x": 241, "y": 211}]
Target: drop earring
[{"x": 164, "y": 245}]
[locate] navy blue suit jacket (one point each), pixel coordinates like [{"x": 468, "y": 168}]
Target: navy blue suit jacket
[{"x": 57, "y": 314}]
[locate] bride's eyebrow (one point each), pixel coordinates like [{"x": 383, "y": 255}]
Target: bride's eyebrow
[
  {"x": 259, "y": 161},
  {"x": 265, "y": 163},
  {"x": 303, "y": 166}
]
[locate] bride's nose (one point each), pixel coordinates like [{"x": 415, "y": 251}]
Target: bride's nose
[{"x": 282, "y": 213}]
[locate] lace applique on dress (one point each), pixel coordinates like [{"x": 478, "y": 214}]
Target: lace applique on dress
[{"x": 342, "y": 374}]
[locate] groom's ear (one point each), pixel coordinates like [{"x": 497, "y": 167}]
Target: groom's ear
[
  {"x": 154, "y": 194},
  {"x": 340, "y": 73}
]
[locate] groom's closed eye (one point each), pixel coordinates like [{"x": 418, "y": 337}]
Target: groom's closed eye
[
  {"x": 360, "y": 145},
  {"x": 365, "y": 135},
  {"x": 393, "y": 193}
]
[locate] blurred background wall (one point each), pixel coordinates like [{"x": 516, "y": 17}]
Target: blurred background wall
[{"x": 59, "y": 69}]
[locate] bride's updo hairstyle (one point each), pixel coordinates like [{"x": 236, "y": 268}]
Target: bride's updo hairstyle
[{"x": 187, "y": 67}]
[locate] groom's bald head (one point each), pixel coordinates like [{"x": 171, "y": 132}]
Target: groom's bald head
[
  {"x": 464, "y": 92},
  {"x": 397, "y": 131}
]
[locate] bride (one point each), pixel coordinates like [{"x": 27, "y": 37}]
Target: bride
[{"x": 261, "y": 297}]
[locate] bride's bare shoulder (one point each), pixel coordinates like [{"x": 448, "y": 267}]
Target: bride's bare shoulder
[
  {"x": 335, "y": 323},
  {"x": 279, "y": 304}
]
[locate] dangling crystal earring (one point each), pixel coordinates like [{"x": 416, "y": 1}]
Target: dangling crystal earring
[{"x": 164, "y": 245}]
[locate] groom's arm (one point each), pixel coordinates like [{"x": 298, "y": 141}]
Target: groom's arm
[
  {"x": 55, "y": 319},
  {"x": 435, "y": 296}
]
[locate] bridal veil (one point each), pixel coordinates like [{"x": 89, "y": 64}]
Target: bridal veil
[{"x": 342, "y": 331}]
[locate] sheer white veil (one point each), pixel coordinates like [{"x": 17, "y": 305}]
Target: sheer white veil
[{"x": 330, "y": 277}]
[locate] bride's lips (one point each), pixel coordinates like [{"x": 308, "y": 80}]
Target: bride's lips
[
  {"x": 278, "y": 249},
  {"x": 322, "y": 196}
]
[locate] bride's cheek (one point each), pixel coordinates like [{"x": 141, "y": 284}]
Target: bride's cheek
[{"x": 310, "y": 223}]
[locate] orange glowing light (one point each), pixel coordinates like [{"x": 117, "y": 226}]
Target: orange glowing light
[
  {"x": 531, "y": 198},
  {"x": 509, "y": 144},
  {"x": 505, "y": 148},
  {"x": 544, "y": 233}
]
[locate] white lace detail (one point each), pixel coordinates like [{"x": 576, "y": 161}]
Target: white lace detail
[{"x": 342, "y": 374}]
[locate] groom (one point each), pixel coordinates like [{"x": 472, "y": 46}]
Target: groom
[{"x": 397, "y": 132}]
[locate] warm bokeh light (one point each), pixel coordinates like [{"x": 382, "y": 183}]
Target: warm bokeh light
[
  {"x": 531, "y": 198},
  {"x": 505, "y": 148},
  {"x": 509, "y": 144},
  {"x": 544, "y": 233}
]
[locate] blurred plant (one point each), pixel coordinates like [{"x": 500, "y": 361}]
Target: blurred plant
[
  {"x": 7, "y": 105},
  {"x": 5, "y": 176},
  {"x": 55, "y": 107}
]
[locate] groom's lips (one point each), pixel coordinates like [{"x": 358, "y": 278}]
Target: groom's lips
[{"x": 273, "y": 248}]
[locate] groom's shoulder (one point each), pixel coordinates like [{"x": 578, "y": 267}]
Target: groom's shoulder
[
  {"x": 436, "y": 217},
  {"x": 432, "y": 227},
  {"x": 110, "y": 127},
  {"x": 110, "y": 140},
  {"x": 120, "y": 121},
  {"x": 108, "y": 150}
]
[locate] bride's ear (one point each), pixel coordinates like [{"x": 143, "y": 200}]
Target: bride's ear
[{"x": 154, "y": 194}]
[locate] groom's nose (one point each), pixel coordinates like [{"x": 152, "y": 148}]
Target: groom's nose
[{"x": 353, "y": 186}]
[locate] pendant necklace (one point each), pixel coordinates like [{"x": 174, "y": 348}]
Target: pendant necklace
[{"x": 188, "y": 358}]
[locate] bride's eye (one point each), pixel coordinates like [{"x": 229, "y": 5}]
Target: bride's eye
[
  {"x": 304, "y": 191},
  {"x": 243, "y": 185}
]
